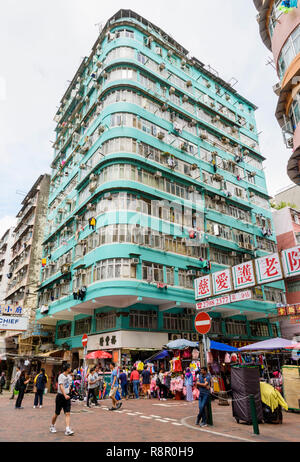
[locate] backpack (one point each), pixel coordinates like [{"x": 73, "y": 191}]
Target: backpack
[
  {"x": 17, "y": 386},
  {"x": 40, "y": 382}
]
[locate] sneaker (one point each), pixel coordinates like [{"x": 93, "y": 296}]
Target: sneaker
[
  {"x": 203, "y": 425},
  {"x": 52, "y": 429},
  {"x": 164, "y": 399},
  {"x": 119, "y": 405},
  {"x": 41, "y": 407},
  {"x": 34, "y": 407},
  {"x": 69, "y": 432},
  {"x": 112, "y": 408}
]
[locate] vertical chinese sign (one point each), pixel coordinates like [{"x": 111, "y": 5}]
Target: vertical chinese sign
[
  {"x": 291, "y": 261},
  {"x": 243, "y": 275},
  {"x": 203, "y": 288},
  {"x": 222, "y": 282},
  {"x": 268, "y": 269}
]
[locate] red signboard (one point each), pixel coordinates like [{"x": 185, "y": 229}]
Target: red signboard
[
  {"x": 84, "y": 340},
  {"x": 202, "y": 323}
]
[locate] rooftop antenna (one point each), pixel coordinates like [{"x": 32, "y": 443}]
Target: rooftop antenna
[
  {"x": 21, "y": 193},
  {"x": 100, "y": 27},
  {"x": 233, "y": 81},
  {"x": 271, "y": 61}
]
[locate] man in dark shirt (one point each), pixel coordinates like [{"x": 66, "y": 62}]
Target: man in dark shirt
[
  {"x": 203, "y": 383},
  {"x": 146, "y": 377},
  {"x": 124, "y": 383}
]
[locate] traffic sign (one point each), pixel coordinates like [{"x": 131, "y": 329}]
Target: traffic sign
[
  {"x": 202, "y": 323},
  {"x": 84, "y": 340}
]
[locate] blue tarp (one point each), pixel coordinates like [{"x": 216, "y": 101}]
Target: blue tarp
[{"x": 221, "y": 346}]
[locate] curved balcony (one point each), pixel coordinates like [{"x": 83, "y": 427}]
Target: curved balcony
[
  {"x": 293, "y": 166},
  {"x": 285, "y": 25},
  {"x": 264, "y": 9}
]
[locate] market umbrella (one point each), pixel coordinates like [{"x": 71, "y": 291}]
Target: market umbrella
[
  {"x": 180, "y": 344},
  {"x": 99, "y": 355},
  {"x": 271, "y": 344},
  {"x": 295, "y": 346}
]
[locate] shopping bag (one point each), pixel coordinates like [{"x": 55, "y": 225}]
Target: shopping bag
[{"x": 117, "y": 395}]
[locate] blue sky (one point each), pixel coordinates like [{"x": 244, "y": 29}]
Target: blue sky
[{"x": 42, "y": 45}]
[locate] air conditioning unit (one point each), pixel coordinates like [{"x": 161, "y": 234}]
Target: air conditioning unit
[
  {"x": 208, "y": 84},
  {"x": 160, "y": 135},
  {"x": 227, "y": 97},
  {"x": 252, "y": 174},
  {"x": 158, "y": 174},
  {"x": 108, "y": 196},
  {"x": 192, "y": 189},
  {"x": 189, "y": 83},
  {"x": 82, "y": 166},
  {"x": 252, "y": 194},
  {"x": 158, "y": 51},
  {"x": 134, "y": 261},
  {"x": 216, "y": 230},
  {"x": 191, "y": 273},
  {"x": 175, "y": 336},
  {"x": 93, "y": 177},
  {"x": 162, "y": 66},
  {"x": 194, "y": 166},
  {"x": 185, "y": 98},
  {"x": 203, "y": 135},
  {"x": 290, "y": 142},
  {"x": 172, "y": 90},
  {"x": 99, "y": 64},
  {"x": 277, "y": 88},
  {"x": 91, "y": 206},
  {"x": 164, "y": 107}
]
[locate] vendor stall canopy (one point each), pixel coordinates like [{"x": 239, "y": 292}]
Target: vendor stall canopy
[
  {"x": 271, "y": 344},
  {"x": 221, "y": 346},
  {"x": 161, "y": 355}
]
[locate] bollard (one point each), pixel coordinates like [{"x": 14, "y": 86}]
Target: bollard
[{"x": 254, "y": 415}]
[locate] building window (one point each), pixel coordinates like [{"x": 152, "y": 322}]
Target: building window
[
  {"x": 289, "y": 51},
  {"x": 259, "y": 329},
  {"x": 152, "y": 272},
  {"x": 273, "y": 295},
  {"x": 182, "y": 322},
  {"x": 64, "y": 330},
  {"x": 139, "y": 319},
  {"x": 83, "y": 326},
  {"x": 105, "y": 321},
  {"x": 236, "y": 327},
  {"x": 274, "y": 330}
]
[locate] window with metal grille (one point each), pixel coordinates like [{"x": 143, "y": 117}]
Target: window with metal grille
[
  {"x": 143, "y": 319},
  {"x": 83, "y": 326}
]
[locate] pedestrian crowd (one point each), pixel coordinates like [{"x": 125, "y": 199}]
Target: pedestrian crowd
[{"x": 124, "y": 384}]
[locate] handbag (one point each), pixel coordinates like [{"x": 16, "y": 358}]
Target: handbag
[{"x": 17, "y": 385}]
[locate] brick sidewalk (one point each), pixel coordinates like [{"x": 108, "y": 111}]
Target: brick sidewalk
[{"x": 138, "y": 420}]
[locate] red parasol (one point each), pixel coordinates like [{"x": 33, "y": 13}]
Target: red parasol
[{"x": 99, "y": 355}]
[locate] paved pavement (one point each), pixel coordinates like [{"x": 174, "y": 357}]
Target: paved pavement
[{"x": 139, "y": 420}]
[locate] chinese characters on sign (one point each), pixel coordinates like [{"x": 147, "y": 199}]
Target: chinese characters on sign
[
  {"x": 7, "y": 309},
  {"x": 243, "y": 275},
  {"x": 288, "y": 310},
  {"x": 203, "y": 288},
  {"x": 226, "y": 299},
  {"x": 222, "y": 282},
  {"x": 268, "y": 269},
  {"x": 291, "y": 261}
]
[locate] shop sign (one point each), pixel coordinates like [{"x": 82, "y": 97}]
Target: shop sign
[
  {"x": 212, "y": 303},
  {"x": 222, "y": 282},
  {"x": 13, "y": 323},
  {"x": 291, "y": 261},
  {"x": 203, "y": 287},
  {"x": 226, "y": 299},
  {"x": 288, "y": 310},
  {"x": 108, "y": 340},
  {"x": 295, "y": 319},
  {"x": 268, "y": 269},
  {"x": 8, "y": 309},
  {"x": 243, "y": 275}
]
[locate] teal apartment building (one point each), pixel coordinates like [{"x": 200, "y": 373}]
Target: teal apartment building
[{"x": 157, "y": 178}]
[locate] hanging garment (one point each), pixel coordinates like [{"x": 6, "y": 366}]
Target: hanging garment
[
  {"x": 195, "y": 353},
  {"x": 186, "y": 354},
  {"x": 140, "y": 366},
  {"x": 227, "y": 359},
  {"x": 233, "y": 358},
  {"x": 92, "y": 223},
  {"x": 209, "y": 357}
]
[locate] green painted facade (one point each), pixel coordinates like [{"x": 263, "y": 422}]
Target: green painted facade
[{"x": 152, "y": 144}]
